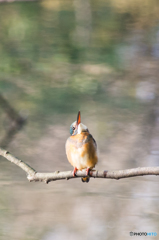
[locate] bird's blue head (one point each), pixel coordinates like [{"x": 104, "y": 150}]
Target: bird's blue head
[
  {"x": 73, "y": 128},
  {"x": 77, "y": 127}
]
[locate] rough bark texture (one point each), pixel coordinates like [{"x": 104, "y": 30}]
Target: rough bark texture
[{"x": 32, "y": 175}]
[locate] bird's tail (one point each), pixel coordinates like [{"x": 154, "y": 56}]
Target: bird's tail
[{"x": 85, "y": 179}]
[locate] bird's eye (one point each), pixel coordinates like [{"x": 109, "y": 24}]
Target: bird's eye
[{"x": 73, "y": 128}]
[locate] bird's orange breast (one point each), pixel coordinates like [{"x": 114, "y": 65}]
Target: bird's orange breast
[{"x": 81, "y": 151}]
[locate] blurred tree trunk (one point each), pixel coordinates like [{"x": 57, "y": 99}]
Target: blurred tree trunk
[{"x": 14, "y": 121}]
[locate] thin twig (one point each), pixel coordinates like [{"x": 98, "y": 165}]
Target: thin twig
[{"x": 32, "y": 175}]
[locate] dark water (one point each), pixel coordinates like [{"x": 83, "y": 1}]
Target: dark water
[{"x": 101, "y": 57}]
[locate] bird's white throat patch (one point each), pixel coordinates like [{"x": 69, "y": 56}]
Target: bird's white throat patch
[{"x": 81, "y": 128}]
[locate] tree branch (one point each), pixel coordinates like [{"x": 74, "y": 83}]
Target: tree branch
[
  {"x": 32, "y": 175},
  {"x": 29, "y": 170}
]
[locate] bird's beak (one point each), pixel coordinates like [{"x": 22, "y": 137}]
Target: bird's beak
[
  {"x": 80, "y": 127},
  {"x": 78, "y": 118}
]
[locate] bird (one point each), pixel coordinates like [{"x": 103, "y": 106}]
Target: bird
[{"x": 81, "y": 148}]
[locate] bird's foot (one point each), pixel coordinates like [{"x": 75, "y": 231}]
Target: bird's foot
[
  {"x": 87, "y": 171},
  {"x": 74, "y": 171}
]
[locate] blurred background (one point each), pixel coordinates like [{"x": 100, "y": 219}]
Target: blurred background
[{"x": 58, "y": 57}]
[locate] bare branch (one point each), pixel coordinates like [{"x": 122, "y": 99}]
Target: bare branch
[
  {"x": 32, "y": 175},
  {"x": 29, "y": 170}
]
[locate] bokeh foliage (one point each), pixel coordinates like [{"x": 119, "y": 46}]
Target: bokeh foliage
[{"x": 47, "y": 63}]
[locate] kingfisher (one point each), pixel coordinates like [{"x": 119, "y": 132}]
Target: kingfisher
[{"x": 81, "y": 148}]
